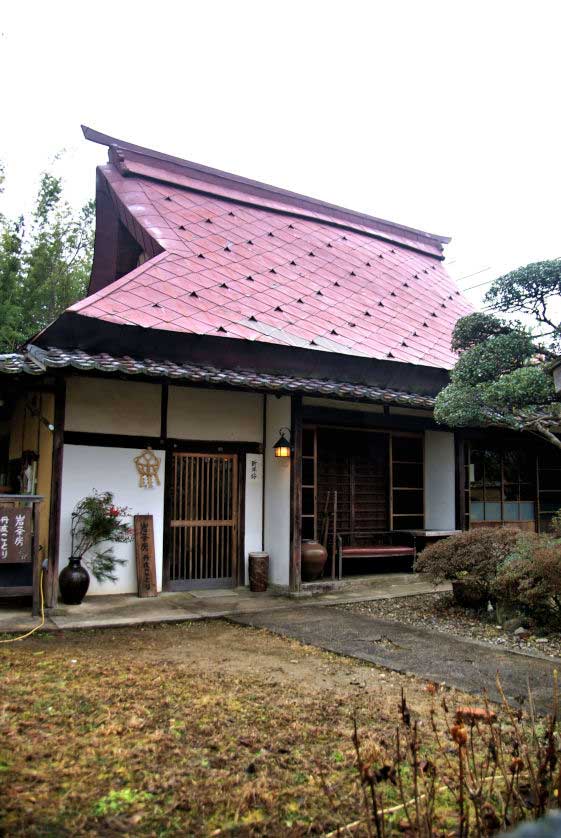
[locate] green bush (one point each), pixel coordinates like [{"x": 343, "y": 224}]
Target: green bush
[
  {"x": 530, "y": 579},
  {"x": 476, "y": 553}
]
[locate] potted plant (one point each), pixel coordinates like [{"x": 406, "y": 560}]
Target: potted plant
[{"x": 95, "y": 520}]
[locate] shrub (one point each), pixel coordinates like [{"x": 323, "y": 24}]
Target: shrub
[
  {"x": 96, "y": 520},
  {"x": 530, "y": 579},
  {"x": 476, "y": 553}
]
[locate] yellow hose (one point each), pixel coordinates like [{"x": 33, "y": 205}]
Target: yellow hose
[{"x": 41, "y": 624}]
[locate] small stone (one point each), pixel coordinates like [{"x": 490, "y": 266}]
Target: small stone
[
  {"x": 542, "y": 640},
  {"x": 521, "y": 633},
  {"x": 498, "y": 627}
]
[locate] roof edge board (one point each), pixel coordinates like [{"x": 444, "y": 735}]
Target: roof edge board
[
  {"x": 293, "y": 213},
  {"x": 200, "y": 169},
  {"x": 75, "y": 331}
]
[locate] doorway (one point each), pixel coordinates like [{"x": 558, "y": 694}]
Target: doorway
[{"x": 204, "y": 521}]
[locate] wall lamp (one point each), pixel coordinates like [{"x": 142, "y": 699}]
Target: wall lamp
[{"x": 282, "y": 445}]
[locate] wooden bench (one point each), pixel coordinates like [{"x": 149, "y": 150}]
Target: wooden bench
[{"x": 374, "y": 545}]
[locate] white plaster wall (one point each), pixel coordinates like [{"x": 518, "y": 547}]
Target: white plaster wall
[
  {"x": 253, "y": 507},
  {"x": 277, "y": 493},
  {"x": 440, "y": 489},
  {"x": 88, "y": 467},
  {"x": 215, "y": 415},
  {"x": 106, "y": 406}
]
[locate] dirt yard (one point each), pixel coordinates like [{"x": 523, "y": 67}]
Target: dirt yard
[{"x": 200, "y": 729}]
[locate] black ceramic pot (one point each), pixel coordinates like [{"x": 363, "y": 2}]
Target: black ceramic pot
[{"x": 73, "y": 581}]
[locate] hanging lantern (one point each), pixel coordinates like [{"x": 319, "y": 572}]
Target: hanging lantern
[{"x": 282, "y": 445}]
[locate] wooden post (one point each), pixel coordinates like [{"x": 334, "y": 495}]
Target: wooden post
[
  {"x": 51, "y": 581},
  {"x": 145, "y": 555},
  {"x": 334, "y": 544},
  {"x": 164, "y": 412},
  {"x": 295, "y": 494},
  {"x": 36, "y": 559},
  {"x": 460, "y": 481}
]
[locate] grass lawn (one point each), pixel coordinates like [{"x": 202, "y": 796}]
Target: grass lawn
[{"x": 201, "y": 728}]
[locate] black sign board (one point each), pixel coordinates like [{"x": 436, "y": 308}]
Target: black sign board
[{"x": 15, "y": 535}]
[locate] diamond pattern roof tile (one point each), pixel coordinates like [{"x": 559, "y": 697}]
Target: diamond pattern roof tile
[{"x": 257, "y": 264}]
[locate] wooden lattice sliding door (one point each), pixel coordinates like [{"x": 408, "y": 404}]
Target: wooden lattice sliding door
[
  {"x": 203, "y": 542},
  {"x": 355, "y": 465},
  {"x": 378, "y": 477}
]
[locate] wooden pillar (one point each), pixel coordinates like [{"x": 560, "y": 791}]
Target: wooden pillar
[
  {"x": 51, "y": 580},
  {"x": 459, "y": 445},
  {"x": 36, "y": 560},
  {"x": 295, "y": 493},
  {"x": 164, "y": 412}
]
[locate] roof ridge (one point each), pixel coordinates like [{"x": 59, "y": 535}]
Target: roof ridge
[{"x": 297, "y": 201}]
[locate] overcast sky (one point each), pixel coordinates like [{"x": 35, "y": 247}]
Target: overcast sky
[{"x": 440, "y": 115}]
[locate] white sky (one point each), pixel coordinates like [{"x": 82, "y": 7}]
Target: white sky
[{"x": 440, "y": 115}]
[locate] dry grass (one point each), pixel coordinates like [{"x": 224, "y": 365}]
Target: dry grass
[{"x": 195, "y": 729}]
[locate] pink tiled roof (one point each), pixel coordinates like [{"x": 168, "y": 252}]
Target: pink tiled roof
[{"x": 255, "y": 264}]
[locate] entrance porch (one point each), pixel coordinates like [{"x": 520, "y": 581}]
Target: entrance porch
[{"x": 377, "y": 484}]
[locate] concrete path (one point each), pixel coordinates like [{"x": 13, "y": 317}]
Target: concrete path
[
  {"x": 467, "y": 665},
  {"x": 128, "y": 610}
]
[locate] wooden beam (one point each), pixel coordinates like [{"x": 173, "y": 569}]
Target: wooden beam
[
  {"x": 126, "y": 441},
  {"x": 295, "y": 494},
  {"x": 51, "y": 581},
  {"x": 164, "y": 411},
  {"x": 355, "y": 419}
]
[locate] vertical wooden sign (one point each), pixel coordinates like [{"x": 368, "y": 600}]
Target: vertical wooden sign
[{"x": 145, "y": 555}]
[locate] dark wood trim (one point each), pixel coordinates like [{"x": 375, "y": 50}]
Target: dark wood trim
[
  {"x": 239, "y": 575},
  {"x": 295, "y": 493},
  {"x": 126, "y": 441},
  {"x": 164, "y": 410},
  {"x": 197, "y": 446},
  {"x": 112, "y": 440},
  {"x": 264, "y": 469},
  {"x": 459, "y": 476},
  {"x": 168, "y": 501},
  {"x": 314, "y": 414},
  {"x": 51, "y": 588},
  {"x": 36, "y": 559},
  {"x": 16, "y": 590}
]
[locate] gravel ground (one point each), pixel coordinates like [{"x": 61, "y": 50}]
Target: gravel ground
[{"x": 440, "y": 612}]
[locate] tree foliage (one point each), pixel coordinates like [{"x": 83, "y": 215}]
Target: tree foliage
[
  {"x": 502, "y": 378},
  {"x": 44, "y": 266},
  {"x": 531, "y": 290}
]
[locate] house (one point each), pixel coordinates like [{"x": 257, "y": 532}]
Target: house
[{"x": 221, "y": 315}]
